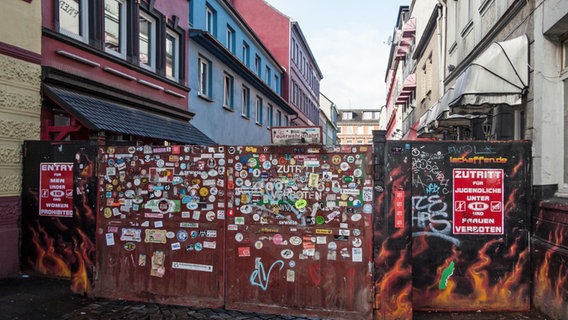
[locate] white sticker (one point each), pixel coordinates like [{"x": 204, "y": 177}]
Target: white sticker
[
  {"x": 192, "y": 266},
  {"x": 110, "y": 239}
]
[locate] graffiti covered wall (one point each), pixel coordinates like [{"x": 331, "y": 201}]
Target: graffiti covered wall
[{"x": 458, "y": 214}]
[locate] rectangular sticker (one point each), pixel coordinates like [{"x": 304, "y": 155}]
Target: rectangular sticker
[{"x": 192, "y": 266}]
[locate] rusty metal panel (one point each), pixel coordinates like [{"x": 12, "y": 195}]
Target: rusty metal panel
[
  {"x": 468, "y": 205},
  {"x": 160, "y": 225},
  {"x": 299, "y": 230},
  {"x": 58, "y": 238},
  {"x": 549, "y": 256}
]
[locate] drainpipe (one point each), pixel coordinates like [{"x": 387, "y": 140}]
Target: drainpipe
[{"x": 442, "y": 25}]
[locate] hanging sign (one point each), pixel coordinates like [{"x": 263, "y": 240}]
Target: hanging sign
[
  {"x": 56, "y": 189},
  {"x": 478, "y": 201}
]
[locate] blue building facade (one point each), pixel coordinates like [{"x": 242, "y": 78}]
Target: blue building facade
[{"x": 235, "y": 82}]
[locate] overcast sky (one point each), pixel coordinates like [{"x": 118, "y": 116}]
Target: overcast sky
[{"x": 349, "y": 41}]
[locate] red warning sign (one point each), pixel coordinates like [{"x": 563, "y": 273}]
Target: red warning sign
[
  {"x": 478, "y": 201},
  {"x": 56, "y": 189}
]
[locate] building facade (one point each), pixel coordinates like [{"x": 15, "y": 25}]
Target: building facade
[
  {"x": 236, "y": 83},
  {"x": 20, "y": 108},
  {"x": 328, "y": 120},
  {"x": 355, "y": 126},
  {"x": 284, "y": 38},
  {"x": 502, "y": 74},
  {"x": 116, "y": 70}
]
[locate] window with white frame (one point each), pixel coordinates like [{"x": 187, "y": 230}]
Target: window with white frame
[
  {"x": 259, "y": 110},
  {"x": 73, "y": 18},
  {"x": 257, "y": 65},
  {"x": 172, "y": 55},
  {"x": 230, "y": 39},
  {"x": 228, "y": 91},
  {"x": 360, "y": 130},
  {"x": 349, "y": 130},
  {"x": 270, "y": 116},
  {"x": 246, "y": 54},
  {"x": 210, "y": 20},
  {"x": 204, "y": 71},
  {"x": 147, "y": 41},
  {"x": 245, "y": 102},
  {"x": 115, "y": 27},
  {"x": 268, "y": 76},
  {"x": 347, "y": 115}
]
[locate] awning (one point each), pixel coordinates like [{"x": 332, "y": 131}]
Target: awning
[
  {"x": 102, "y": 115},
  {"x": 498, "y": 76},
  {"x": 409, "y": 28},
  {"x": 408, "y": 87}
]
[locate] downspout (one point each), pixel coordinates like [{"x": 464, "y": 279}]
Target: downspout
[{"x": 442, "y": 25}]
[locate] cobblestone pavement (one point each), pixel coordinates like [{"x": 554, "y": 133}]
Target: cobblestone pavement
[{"x": 31, "y": 298}]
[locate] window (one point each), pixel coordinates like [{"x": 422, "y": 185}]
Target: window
[
  {"x": 228, "y": 91},
  {"x": 276, "y": 84},
  {"x": 279, "y": 118},
  {"x": 246, "y": 54},
  {"x": 245, "y": 102},
  {"x": 259, "y": 110},
  {"x": 147, "y": 41},
  {"x": 172, "y": 55},
  {"x": 210, "y": 20},
  {"x": 347, "y": 115},
  {"x": 115, "y": 27},
  {"x": 286, "y": 121},
  {"x": 73, "y": 18},
  {"x": 231, "y": 39},
  {"x": 257, "y": 65},
  {"x": 270, "y": 116},
  {"x": 360, "y": 130},
  {"x": 368, "y": 115},
  {"x": 268, "y": 75},
  {"x": 565, "y": 54},
  {"x": 349, "y": 130},
  {"x": 204, "y": 71}
]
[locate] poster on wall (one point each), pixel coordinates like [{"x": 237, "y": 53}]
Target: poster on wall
[
  {"x": 56, "y": 189},
  {"x": 478, "y": 201}
]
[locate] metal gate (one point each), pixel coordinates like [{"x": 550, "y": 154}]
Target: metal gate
[
  {"x": 454, "y": 233},
  {"x": 58, "y": 221},
  {"x": 160, "y": 225},
  {"x": 299, "y": 238}
]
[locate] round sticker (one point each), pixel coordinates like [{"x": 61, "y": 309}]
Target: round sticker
[
  {"x": 277, "y": 239},
  {"x": 107, "y": 213},
  {"x": 252, "y": 162},
  {"x": 336, "y": 159},
  {"x": 239, "y": 237},
  {"x": 246, "y": 209},
  {"x": 350, "y": 159},
  {"x": 332, "y": 246},
  {"x": 367, "y": 208},
  {"x": 292, "y": 263},
  {"x": 160, "y": 163},
  {"x": 357, "y": 173},
  {"x": 356, "y": 232},
  {"x": 287, "y": 254},
  {"x": 320, "y": 220},
  {"x": 238, "y": 166},
  {"x": 357, "y": 242},
  {"x": 300, "y": 204},
  {"x": 198, "y": 246},
  {"x": 356, "y": 217},
  {"x": 266, "y": 165},
  {"x": 210, "y": 216},
  {"x": 203, "y": 191},
  {"x": 170, "y": 235},
  {"x": 295, "y": 240},
  {"x": 129, "y": 246},
  {"x": 243, "y": 174},
  {"x": 258, "y": 245},
  {"x": 182, "y": 235},
  {"x": 344, "y": 166},
  {"x": 256, "y": 217}
]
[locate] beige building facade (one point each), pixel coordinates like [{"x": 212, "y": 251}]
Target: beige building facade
[{"x": 20, "y": 106}]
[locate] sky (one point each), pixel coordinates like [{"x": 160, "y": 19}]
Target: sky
[{"x": 349, "y": 40}]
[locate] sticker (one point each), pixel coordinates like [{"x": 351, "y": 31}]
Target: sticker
[
  {"x": 210, "y": 216},
  {"x": 356, "y": 217},
  {"x": 300, "y": 204},
  {"x": 109, "y": 239},
  {"x": 192, "y": 266},
  {"x": 244, "y": 251},
  {"x": 239, "y": 237},
  {"x": 258, "y": 245},
  {"x": 210, "y": 244},
  {"x": 332, "y": 246},
  {"x": 287, "y": 254},
  {"x": 129, "y": 246},
  {"x": 182, "y": 235},
  {"x": 292, "y": 263},
  {"x": 158, "y": 269},
  {"x": 176, "y": 246},
  {"x": 344, "y": 166},
  {"x": 239, "y": 220},
  {"x": 107, "y": 212},
  {"x": 357, "y": 242},
  {"x": 357, "y": 254},
  {"x": 155, "y": 236},
  {"x": 295, "y": 240},
  {"x": 142, "y": 260},
  {"x": 277, "y": 239},
  {"x": 198, "y": 246},
  {"x": 170, "y": 235},
  {"x": 290, "y": 275},
  {"x": 356, "y": 232},
  {"x": 131, "y": 234},
  {"x": 367, "y": 208},
  {"x": 320, "y": 220}
]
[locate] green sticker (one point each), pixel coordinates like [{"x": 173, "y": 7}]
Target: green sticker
[
  {"x": 301, "y": 204},
  {"x": 320, "y": 220}
]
